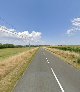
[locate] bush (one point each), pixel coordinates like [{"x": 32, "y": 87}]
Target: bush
[{"x": 78, "y": 60}]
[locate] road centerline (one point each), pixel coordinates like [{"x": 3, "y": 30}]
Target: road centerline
[
  {"x": 48, "y": 62},
  {"x": 57, "y": 80},
  {"x": 46, "y": 58}
]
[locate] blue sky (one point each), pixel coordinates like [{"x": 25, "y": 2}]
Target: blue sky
[{"x": 50, "y": 17}]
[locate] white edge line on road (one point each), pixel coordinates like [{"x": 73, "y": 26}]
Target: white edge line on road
[{"x": 57, "y": 80}]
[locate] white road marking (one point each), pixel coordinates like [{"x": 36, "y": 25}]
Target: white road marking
[
  {"x": 57, "y": 80},
  {"x": 48, "y": 62},
  {"x": 46, "y": 58}
]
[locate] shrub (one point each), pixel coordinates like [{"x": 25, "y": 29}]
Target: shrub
[{"x": 78, "y": 60}]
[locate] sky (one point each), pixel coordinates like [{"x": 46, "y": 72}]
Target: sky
[{"x": 52, "y": 18}]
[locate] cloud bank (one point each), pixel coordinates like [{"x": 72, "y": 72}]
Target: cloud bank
[
  {"x": 10, "y": 35},
  {"x": 75, "y": 26}
]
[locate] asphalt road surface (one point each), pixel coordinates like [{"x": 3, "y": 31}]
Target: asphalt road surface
[{"x": 47, "y": 73}]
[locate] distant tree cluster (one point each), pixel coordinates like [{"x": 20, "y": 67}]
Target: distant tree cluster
[
  {"x": 6, "y": 46},
  {"x": 2, "y": 46},
  {"x": 9, "y": 46}
]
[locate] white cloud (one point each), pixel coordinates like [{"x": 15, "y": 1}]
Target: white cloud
[
  {"x": 75, "y": 26},
  {"x": 34, "y": 36},
  {"x": 76, "y": 22},
  {"x": 70, "y": 31},
  {"x": 12, "y": 34}
]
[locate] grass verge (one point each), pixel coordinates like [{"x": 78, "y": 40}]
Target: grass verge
[
  {"x": 15, "y": 67},
  {"x": 69, "y": 57}
]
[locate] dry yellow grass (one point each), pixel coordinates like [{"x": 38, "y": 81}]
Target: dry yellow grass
[
  {"x": 70, "y": 57},
  {"x": 12, "y": 68}
]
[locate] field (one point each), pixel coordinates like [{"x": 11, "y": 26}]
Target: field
[
  {"x": 68, "y": 48},
  {"x": 71, "y": 54},
  {"x": 8, "y": 52},
  {"x": 13, "y": 63}
]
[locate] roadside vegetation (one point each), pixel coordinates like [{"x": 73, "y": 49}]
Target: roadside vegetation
[
  {"x": 71, "y": 54},
  {"x": 13, "y": 67},
  {"x": 68, "y": 48}
]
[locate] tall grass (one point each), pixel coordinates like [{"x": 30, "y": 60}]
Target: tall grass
[
  {"x": 68, "y": 48},
  {"x": 12, "y": 69},
  {"x": 71, "y": 56}
]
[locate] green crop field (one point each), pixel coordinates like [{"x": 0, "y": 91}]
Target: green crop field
[{"x": 8, "y": 52}]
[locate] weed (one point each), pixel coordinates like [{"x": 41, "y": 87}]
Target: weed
[{"x": 78, "y": 60}]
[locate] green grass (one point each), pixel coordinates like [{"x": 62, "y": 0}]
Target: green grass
[
  {"x": 20, "y": 63},
  {"x": 68, "y": 48},
  {"x": 8, "y": 52}
]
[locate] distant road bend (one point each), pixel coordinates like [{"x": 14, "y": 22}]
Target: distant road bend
[{"x": 47, "y": 73}]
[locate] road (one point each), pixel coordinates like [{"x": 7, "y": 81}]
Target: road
[{"x": 48, "y": 73}]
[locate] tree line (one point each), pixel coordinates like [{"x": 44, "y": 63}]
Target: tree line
[
  {"x": 9, "y": 46},
  {"x": 2, "y": 46}
]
